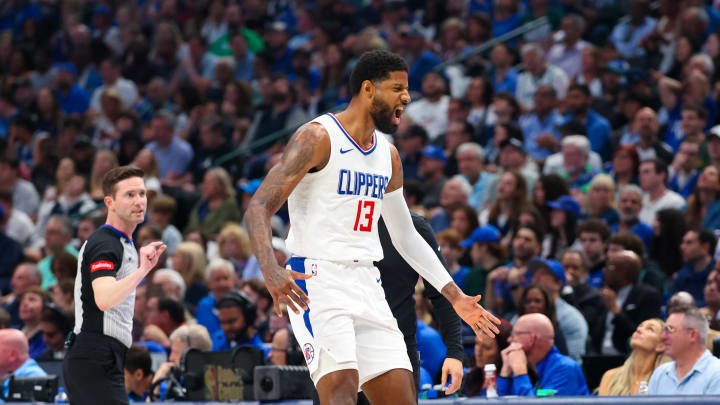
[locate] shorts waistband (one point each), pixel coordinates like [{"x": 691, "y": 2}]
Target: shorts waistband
[
  {"x": 94, "y": 338},
  {"x": 296, "y": 262}
]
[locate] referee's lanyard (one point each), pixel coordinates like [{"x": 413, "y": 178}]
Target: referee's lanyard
[{"x": 118, "y": 232}]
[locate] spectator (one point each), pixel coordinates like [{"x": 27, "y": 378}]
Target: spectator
[
  {"x": 567, "y": 54},
  {"x": 449, "y": 241},
  {"x": 703, "y": 206},
  {"x": 259, "y": 294},
  {"x": 486, "y": 254},
  {"x": 601, "y": 198},
  {"x": 220, "y": 275},
  {"x": 430, "y": 112},
  {"x": 574, "y": 164},
  {"x": 25, "y": 276},
  {"x": 713, "y": 146},
  {"x": 646, "y": 356},
  {"x": 512, "y": 154},
  {"x": 537, "y": 299},
  {"x": 431, "y": 168},
  {"x": 189, "y": 260},
  {"x": 459, "y": 132},
  {"x": 454, "y": 194},
  {"x": 653, "y": 179},
  {"x": 683, "y": 172},
  {"x": 183, "y": 338},
  {"x": 284, "y": 350},
  {"x": 597, "y": 128},
  {"x": 668, "y": 230},
  {"x": 479, "y": 95},
  {"x": 486, "y": 351},
  {"x": 25, "y": 197},
  {"x": 711, "y": 293},
  {"x": 173, "y": 154},
  {"x": 19, "y": 226},
  {"x": 540, "y": 127},
  {"x": 564, "y": 215},
  {"x": 628, "y": 302},
  {"x": 627, "y": 36},
  {"x": 138, "y": 373},
  {"x": 212, "y": 145},
  {"x": 162, "y": 211},
  {"x": 110, "y": 69},
  {"x": 625, "y": 166},
  {"x": 170, "y": 283},
  {"x": 648, "y": 143},
  {"x": 72, "y": 204},
  {"x": 503, "y": 292},
  {"x": 698, "y": 246},
  {"x": 163, "y": 316},
  {"x": 550, "y": 274},
  {"x": 504, "y": 211},
  {"x": 72, "y": 99},
  {"x": 549, "y": 187},
  {"x": 532, "y": 345},
  {"x": 410, "y": 144},
  {"x": 537, "y": 73},
  {"x": 217, "y": 206},
  {"x": 55, "y": 325},
  {"x": 630, "y": 202},
  {"x": 693, "y": 370},
  {"x": 504, "y": 76},
  {"x": 583, "y": 296},
  {"x": 237, "y": 314},
  {"x": 104, "y": 161},
  {"x": 470, "y": 157},
  {"x": 16, "y": 359},
  {"x": 32, "y": 303},
  {"x": 58, "y": 238},
  {"x": 234, "y": 246},
  {"x": 650, "y": 274},
  {"x": 593, "y": 235}
]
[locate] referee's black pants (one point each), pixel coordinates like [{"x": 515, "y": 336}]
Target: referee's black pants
[{"x": 94, "y": 370}]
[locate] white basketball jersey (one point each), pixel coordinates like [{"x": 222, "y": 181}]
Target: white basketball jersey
[{"x": 334, "y": 211}]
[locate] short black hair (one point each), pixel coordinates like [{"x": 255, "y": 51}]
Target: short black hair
[
  {"x": 535, "y": 230},
  {"x": 375, "y": 66},
  {"x": 138, "y": 358},
  {"x": 659, "y": 166},
  {"x": 595, "y": 225},
  {"x": 701, "y": 111},
  {"x": 174, "y": 309},
  {"x": 705, "y": 236},
  {"x": 23, "y": 121},
  {"x": 56, "y": 316},
  {"x": 580, "y": 87},
  {"x": 629, "y": 241}
]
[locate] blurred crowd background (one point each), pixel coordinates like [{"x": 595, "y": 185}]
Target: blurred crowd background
[{"x": 571, "y": 131}]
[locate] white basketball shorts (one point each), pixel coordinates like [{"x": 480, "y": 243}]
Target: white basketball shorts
[{"x": 348, "y": 324}]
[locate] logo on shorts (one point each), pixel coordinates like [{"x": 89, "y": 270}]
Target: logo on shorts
[
  {"x": 309, "y": 352},
  {"x": 313, "y": 269},
  {"x": 102, "y": 265}
]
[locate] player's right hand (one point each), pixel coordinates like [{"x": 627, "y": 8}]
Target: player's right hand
[{"x": 281, "y": 284}]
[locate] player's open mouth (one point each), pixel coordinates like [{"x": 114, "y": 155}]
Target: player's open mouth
[{"x": 397, "y": 114}]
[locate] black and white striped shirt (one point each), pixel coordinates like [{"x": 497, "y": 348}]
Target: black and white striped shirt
[{"x": 108, "y": 252}]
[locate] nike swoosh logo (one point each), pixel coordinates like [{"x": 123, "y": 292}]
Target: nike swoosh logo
[
  {"x": 345, "y": 151},
  {"x": 378, "y": 280}
]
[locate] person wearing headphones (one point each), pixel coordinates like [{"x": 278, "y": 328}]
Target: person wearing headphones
[
  {"x": 284, "y": 350},
  {"x": 236, "y": 313}
]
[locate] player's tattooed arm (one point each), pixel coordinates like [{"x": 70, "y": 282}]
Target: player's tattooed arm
[
  {"x": 396, "y": 181},
  {"x": 309, "y": 148}
]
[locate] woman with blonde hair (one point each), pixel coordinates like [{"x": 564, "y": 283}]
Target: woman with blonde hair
[
  {"x": 146, "y": 162},
  {"x": 600, "y": 202},
  {"x": 105, "y": 160},
  {"x": 234, "y": 245},
  {"x": 646, "y": 356},
  {"x": 189, "y": 260}
]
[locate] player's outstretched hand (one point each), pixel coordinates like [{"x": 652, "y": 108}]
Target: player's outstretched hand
[
  {"x": 150, "y": 254},
  {"x": 282, "y": 288},
  {"x": 481, "y": 321}
]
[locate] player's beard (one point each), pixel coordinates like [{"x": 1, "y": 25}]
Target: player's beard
[{"x": 382, "y": 116}]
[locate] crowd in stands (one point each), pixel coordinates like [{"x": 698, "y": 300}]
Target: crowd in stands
[{"x": 571, "y": 173}]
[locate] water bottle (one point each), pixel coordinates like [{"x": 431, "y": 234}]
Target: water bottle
[
  {"x": 61, "y": 397},
  {"x": 490, "y": 381},
  {"x": 643, "y": 389}
]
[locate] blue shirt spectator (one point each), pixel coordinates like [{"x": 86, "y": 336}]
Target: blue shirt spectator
[
  {"x": 598, "y": 132},
  {"x": 693, "y": 281},
  {"x": 206, "y": 315},
  {"x": 423, "y": 64},
  {"x": 641, "y": 229},
  {"x": 508, "y": 82},
  {"x": 431, "y": 347},
  {"x": 544, "y": 120},
  {"x": 627, "y": 35},
  {"x": 533, "y": 338},
  {"x": 16, "y": 359},
  {"x": 703, "y": 379},
  {"x": 29, "y": 368}
]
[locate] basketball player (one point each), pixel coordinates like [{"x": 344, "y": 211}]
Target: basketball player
[{"x": 339, "y": 176}]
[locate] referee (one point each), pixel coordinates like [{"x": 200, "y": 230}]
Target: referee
[{"x": 109, "y": 272}]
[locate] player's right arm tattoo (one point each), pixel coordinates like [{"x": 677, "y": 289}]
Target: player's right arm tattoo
[{"x": 308, "y": 148}]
